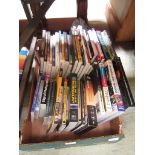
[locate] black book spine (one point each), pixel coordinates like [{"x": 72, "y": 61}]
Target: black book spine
[
  {"x": 74, "y": 99},
  {"x": 124, "y": 82},
  {"x": 90, "y": 99}
]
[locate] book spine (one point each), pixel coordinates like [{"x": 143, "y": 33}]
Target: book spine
[
  {"x": 123, "y": 83},
  {"x": 53, "y": 97},
  {"x": 49, "y": 96},
  {"x": 34, "y": 102},
  {"x": 116, "y": 90},
  {"x": 57, "y": 55},
  {"x": 68, "y": 104},
  {"x": 62, "y": 58},
  {"x": 60, "y": 113},
  {"x": 92, "y": 43},
  {"x": 77, "y": 42},
  {"x": 38, "y": 106},
  {"x": 108, "y": 44},
  {"x": 98, "y": 47},
  {"x": 89, "y": 45},
  {"x": 90, "y": 102},
  {"x": 65, "y": 102},
  {"x": 53, "y": 50},
  {"x": 66, "y": 46},
  {"x": 74, "y": 99},
  {"x": 44, "y": 97},
  {"x": 105, "y": 89},
  {"x": 59, "y": 82},
  {"x": 79, "y": 103},
  {"x": 104, "y": 50}
]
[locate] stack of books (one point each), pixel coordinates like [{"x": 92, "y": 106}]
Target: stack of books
[{"x": 79, "y": 82}]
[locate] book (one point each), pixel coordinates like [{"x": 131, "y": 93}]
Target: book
[
  {"x": 90, "y": 108},
  {"x": 34, "y": 102},
  {"x": 58, "y": 104},
  {"x": 106, "y": 96},
  {"x": 123, "y": 83},
  {"x": 98, "y": 93},
  {"x": 73, "y": 118},
  {"x": 103, "y": 46},
  {"x": 23, "y": 53},
  {"x": 64, "y": 111},
  {"x": 44, "y": 97},
  {"x": 107, "y": 42},
  {"x": 52, "y": 105}
]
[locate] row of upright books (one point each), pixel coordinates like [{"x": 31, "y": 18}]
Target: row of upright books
[{"x": 80, "y": 81}]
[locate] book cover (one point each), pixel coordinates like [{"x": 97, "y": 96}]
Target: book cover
[
  {"x": 115, "y": 94},
  {"x": 106, "y": 96},
  {"x": 123, "y": 83},
  {"x": 73, "y": 112}
]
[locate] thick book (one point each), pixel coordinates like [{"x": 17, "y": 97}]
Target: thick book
[
  {"x": 44, "y": 97},
  {"x": 99, "y": 98},
  {"x": 64, "y": 108},
  {"x": 51, "y": 105},
  {"x": 70, "y": 56},
  {"x": 103, "y": 46},
  {"x": 90, "y": 108},
  {"x": 108, "y": 43},
  {"x": 73, "y": 118},
  {"x": 123, "y": 83},
  {"x": 58, "y": 102},
  {"x": 85, "y": 57},
  {"x": 35, "y": 98},
  {"x": 106, "y": 96}
]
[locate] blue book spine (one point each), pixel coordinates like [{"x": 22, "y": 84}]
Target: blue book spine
[{"x": 35, "y": 95}]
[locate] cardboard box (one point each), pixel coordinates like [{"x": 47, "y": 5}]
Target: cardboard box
[{"x": 34, "y": 138}]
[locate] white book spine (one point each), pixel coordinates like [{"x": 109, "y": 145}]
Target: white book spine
[
  {"x": 92, "y": 42},
  {"x": 68, "y": 70},
  {"x": 75, "y": 66},
  {"x": 78, "y": 67},
  {"x": 83, "y": 71},
  {"x": 116, "y": 90},
  {"x": 80, "y": 71},
  {"x": 107, "y": 99},
  {"x": 37, "y": 109}
]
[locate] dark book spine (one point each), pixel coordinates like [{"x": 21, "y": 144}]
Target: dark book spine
[
  {"x": 103, "y": 47},
  {"x": 90, "y": 46},
  {"x": 123, "y": 82},
  {"x": 111, "y": 92},
  {"x": 53, "y": 97},
  {"x": 49, "y": 96},
  {"x": 92, "y": 117},
  {"x": 74, "y": 99},
  {"x": 90, "y": 101},
  {"x": 82, "y": 100},
  {"x": 45, "y": 91}
]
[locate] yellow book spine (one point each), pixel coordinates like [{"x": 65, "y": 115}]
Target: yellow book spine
[
  {"x": 59, "y": 82},
  {"x": 63, "y": 47},
  {"x": 65, "y": 102},
  {"x": 78, "y": 49}
]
